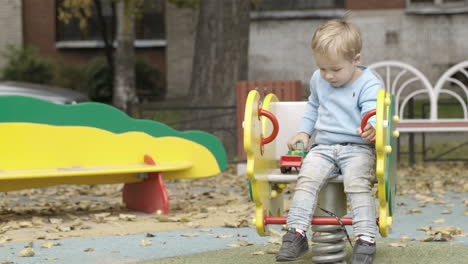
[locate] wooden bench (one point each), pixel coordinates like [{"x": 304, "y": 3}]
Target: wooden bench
[
  {"x": 45, "y": 144},
  {"x": 263, "y": 152}
]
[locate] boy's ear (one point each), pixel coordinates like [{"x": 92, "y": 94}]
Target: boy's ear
[{"x": 357, "y": 59}]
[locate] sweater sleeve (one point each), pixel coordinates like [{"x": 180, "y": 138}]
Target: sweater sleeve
[
  {"x": 368, "y": 99},
  {"x": 310, "y": 115}
]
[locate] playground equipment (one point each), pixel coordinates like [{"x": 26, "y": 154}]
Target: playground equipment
[
  {"x": 45, "y": 144},
  {"x": 281, "y": 120}
]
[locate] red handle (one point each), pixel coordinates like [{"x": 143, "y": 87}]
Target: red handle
[
  {"x": 366, "y": 117},
  {"x": 274, "y": 121}
]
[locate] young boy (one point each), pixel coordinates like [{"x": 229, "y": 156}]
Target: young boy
[{"x": 342, "y": 92}]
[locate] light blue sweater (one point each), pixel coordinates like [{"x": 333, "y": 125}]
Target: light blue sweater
[{"x": 336, "y": 112}]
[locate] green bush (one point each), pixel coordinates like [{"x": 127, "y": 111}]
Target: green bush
[
  {"x": 69, "y": 76},
  {"x": 26, "y": 64},
  {"x": 150, "y": 83},
  {"x": 98, "y": 80}
]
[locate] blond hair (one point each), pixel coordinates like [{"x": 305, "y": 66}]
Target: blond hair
[{"x": 337, "y": 38}]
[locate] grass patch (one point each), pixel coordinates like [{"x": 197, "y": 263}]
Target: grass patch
[{"x": 447, "y": 108}]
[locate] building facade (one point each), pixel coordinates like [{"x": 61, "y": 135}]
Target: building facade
[
  {"x": 11, "y": 25},
  {"x": 431, "y": 35}
]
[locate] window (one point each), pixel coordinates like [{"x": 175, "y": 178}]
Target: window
[
  {"x": 436, "y": 7},
  {"x": 296, "y": 9},
  {"x": 149, "y": 27}
]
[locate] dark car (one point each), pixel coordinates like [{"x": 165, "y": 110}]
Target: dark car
[{"x": 44, "y": 92}]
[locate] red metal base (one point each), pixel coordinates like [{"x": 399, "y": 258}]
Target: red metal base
[
  {"x": 281, "y": 220},
  {"x": 147, "y": 196},
  {"x": 317, "y": 220}
]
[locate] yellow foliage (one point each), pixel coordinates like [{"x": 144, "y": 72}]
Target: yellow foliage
[{"x": 80, "y": 9}]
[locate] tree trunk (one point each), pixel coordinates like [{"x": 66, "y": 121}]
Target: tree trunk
[
  {"x": 221, "y": 51},
  {"x": 221, "y": 59},
  {"x": 108, "y": 40},
  {"x": 124, "y": 69}
]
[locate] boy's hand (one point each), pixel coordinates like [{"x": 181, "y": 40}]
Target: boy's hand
[
  {"x": 368, "y": 134},
  {"x": 302, "y": 137}
]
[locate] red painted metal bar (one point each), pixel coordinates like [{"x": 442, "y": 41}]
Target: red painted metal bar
[
  {"x": 366, "y": 117},
  {"x": 274, "y": 121},
  {"x": 281, "y": 220}
]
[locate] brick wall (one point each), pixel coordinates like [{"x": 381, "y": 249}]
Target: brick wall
[
  {"x": 374, "y": 4},
  {"x": 40, "y": 32}
]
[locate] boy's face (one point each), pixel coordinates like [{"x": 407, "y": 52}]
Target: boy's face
[{"x": 337, "y": 70}]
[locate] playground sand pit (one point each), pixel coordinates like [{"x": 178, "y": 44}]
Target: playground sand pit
[{"x": 85, "y": 211}]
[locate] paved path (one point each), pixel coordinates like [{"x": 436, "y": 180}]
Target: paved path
[{"x": 127, "y": 249}]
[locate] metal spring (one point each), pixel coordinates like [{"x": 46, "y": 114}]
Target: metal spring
[{"x": 332, "y": 247}]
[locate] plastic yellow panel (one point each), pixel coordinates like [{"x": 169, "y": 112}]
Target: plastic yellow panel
[
  {"x": 27, "y": 146},
  {"x": 92, "y": 170},
  {"x": 258, "y": 164},
  {"x": 386, "y": 160}
]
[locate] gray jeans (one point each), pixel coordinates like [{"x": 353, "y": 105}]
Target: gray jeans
[{"x": 357, "y": 165}]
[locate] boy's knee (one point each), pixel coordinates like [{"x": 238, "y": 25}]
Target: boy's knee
[{"x": 357, "y": 185}]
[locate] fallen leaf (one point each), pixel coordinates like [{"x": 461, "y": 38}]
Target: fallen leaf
[
  {"x": 25, "y": 224},
  {"x": 427, "y": 239},
  {"x": 190, "y": 235},
  {"x": 51, "y": 258},
  {"x": 447, "y": 230},
  {"x": 89, "y": 250},
  {"x": 244, "y": 243},
  {"x": 232, "y": 245},
  {"x": 405, "y": 238},
  {"x": 230, "y": 224},
  {"x": 223, "y": 236},
  {"x": 446, "y": 212},
  {"x": 4, "y": 239},
  {"x": 271, "y": 251},
  {"x": 150, "y": 235},
  {"x": 276, "y": 233},
  {"x": 127, "y": 217},
  {"x": 398, "y": 245},
  {"x": 258, "y": 253},
  {"x": 275, "y": 240},
  {"x": 27, "y": 252},
  {"x": 439, "y": 221},
  {"x": 64, "y": 228},
  {"x": 145, "y": 242},
  {"x": 47, "y": 244},
  {"x": 55, "y": 221},
  {"x": 425, "y": 228}
]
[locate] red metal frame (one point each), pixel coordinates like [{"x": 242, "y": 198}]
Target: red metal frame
[
  {"x": 274, "y": 121},
  {"x": 316, "y": 220},
  {"x": 366, "y": 117}
]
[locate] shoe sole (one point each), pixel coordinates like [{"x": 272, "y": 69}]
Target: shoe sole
[{"x": 283, "y": 258}]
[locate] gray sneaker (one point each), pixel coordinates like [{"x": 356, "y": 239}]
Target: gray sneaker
[
  {"x": 364, "y": 252},
  {"x": 294, "y": 245}
]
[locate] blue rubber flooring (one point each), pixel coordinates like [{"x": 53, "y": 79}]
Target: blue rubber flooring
[{"x": 127, "y": 249}]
